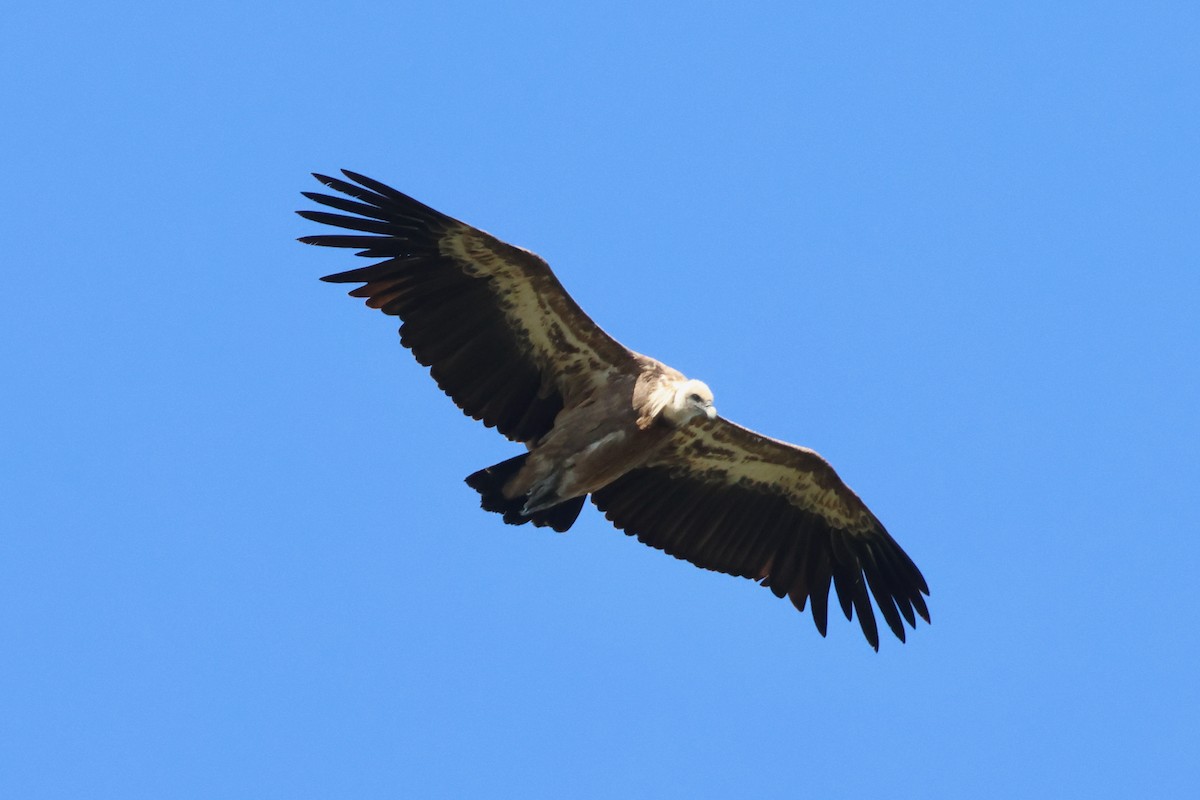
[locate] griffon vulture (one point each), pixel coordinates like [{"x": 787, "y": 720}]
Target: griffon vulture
[{"x": 507, "y": 343}]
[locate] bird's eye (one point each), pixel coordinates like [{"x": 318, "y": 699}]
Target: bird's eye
[{"x": 695, "y": 398}]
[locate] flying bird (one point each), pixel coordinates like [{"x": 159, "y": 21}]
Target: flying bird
[{"x": 512, "y": 349}]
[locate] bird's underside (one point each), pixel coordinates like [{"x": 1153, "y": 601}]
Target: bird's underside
[{"x": 507, "y": 343}]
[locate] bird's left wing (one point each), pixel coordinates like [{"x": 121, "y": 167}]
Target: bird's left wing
[
  {"x": 498, "y": 331},
  {"x": 728, "y": 499}
]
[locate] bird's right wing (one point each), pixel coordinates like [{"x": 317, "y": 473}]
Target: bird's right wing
[{"x": 728, "y": 499}]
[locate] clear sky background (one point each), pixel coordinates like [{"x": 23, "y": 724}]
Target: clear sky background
[{"x": 953, "y": 248}]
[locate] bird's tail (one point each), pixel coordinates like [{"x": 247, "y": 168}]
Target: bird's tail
[{"x": 490, "y": 483}]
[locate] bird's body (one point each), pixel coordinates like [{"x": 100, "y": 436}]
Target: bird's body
[
  {"x": 603, "y": 435},
  {"x": 591, "y": 444},
  {"x": 509, "y": 345}
]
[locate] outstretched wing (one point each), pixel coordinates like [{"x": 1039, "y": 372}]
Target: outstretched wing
[
  {"x": 728, "y": 499},
  {"x": 499, "y": 333}
]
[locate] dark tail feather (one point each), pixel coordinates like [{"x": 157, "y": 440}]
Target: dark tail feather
[{"x": 490, "y": 482}]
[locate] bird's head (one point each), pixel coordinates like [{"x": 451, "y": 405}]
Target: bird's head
[{"x": 691, "y": 399}]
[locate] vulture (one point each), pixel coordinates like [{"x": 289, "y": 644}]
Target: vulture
[{"x": 501, "y": 336}]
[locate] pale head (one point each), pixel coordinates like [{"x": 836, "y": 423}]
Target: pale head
[{"x": 691, "y": 399}]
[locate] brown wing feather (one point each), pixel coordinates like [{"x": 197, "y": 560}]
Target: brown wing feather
[
  {"x": 728, "y": 499},
  {"x": 499, "y": 333}
]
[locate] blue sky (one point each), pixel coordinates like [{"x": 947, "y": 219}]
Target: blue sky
[{"x": 953, "y": 248}]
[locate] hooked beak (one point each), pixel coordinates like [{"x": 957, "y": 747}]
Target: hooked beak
[{"x": 711, "y": 412}]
